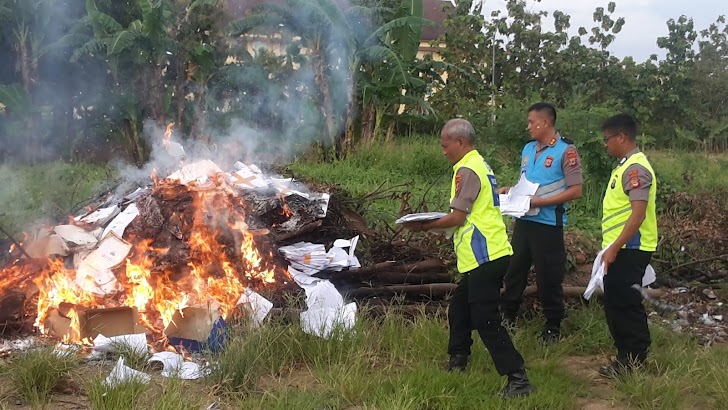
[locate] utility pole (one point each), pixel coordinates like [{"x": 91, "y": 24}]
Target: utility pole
[{"x": 492, "y": 83}]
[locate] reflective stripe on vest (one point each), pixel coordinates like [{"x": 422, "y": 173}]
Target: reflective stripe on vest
[
  {"x": 482, "y": 237},
  {"x": 552, "y": 189},
  {"x": 616, "y": 209}
]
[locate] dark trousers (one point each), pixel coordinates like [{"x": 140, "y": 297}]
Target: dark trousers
[
  {"x": 474, "y": 305},
  {"x": 626, "y": 316},
  {"x": 542, "y": 246}
]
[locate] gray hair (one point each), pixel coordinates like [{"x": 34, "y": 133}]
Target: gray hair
[{"x": 460, "y": 128}]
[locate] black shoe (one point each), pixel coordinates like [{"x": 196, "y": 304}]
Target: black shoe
[
  {"x": 458, "y": 362},
  {"x": 620, "y": 368},
  {"x": 615, "y": 370},
  {"x": 518, "y": 385},
  {"x": 550, "y": 335}
]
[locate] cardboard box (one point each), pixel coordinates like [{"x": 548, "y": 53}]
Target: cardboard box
[
  {"x": 196, "y": 329},
  {"x": 109, "y": 322}
]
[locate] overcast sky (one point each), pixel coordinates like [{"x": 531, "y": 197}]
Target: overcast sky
[{"x": 645, "y": 19}]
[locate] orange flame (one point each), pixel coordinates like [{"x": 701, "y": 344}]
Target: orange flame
[
  {"x": 168, "y": 134},
  {"x": 286, "y": 211},
  {"x": 223, "y": 259}
]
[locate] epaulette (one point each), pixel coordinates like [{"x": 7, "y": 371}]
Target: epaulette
[{"x": 568, "y": 141}]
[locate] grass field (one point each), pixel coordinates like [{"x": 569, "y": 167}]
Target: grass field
[
  {"x": 418, "y": 164},
  {"x": 387, "y": 363}
]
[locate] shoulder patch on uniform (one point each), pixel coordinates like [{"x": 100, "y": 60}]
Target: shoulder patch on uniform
[
  {"x": 525, "y": 160},
  {"x": 552, "y": 142},
  {"x": 634, "y": 179},
  {"x": 567, "y": 140},
  {"x": 549, "y": 161},
  {"x": 572, "y": 158},
  {"x": 458, "y": 180}
]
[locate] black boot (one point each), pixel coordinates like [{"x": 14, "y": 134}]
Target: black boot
[
  {"x": 518, "y": 385},
  {"x": 458, "y": 362},
  {"x": 623, "y": 366},
  {"x": 551, "y": 334}
]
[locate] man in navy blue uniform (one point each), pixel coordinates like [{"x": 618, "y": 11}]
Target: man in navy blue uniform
[{"x": 538, "y": 237}]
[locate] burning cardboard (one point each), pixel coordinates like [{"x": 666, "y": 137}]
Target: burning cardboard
[
  {"x": 76, "y": 237},
  {"x": 89, "y": 323},
  {"x": 195, "y": 329}
]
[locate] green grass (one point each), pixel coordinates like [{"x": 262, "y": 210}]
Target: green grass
[
  {"x": 692, "y": 172},
  {"x": 36, "y": 373},
  {"x": 395, "y": 362},
  {"x": 46, "y": 191}
]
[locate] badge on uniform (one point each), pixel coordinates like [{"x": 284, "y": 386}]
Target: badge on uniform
[
  {"x": 549, "y": 161},
  {"x": 458, "y": 178},
  {"x": 525, "y": 161},
  {"x": 634, "y": 179},
  {"x": 553, "y": 141},
  {"x": 614, "y": 183},
  {"x": 572, "y": 158}
]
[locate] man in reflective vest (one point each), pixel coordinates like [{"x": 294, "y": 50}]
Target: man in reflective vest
[
  {"x": 483, "y": 253},
  {"x": 538, "y": 237},
  {"x": 629, "y": 235}
]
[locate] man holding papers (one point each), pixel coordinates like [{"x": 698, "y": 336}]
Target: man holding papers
[
  {"x": 483, "y": 253},
  {"x": 629, "y": 236},
  {"x": 553, "y": 163}
]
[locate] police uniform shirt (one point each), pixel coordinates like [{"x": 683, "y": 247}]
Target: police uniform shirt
[
  {"x": 467, "y": 188},
  {"x": 570, "y": 161},
  {"x": 636, "y": 180}
]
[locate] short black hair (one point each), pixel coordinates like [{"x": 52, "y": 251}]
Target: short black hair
[
  {"x": 545, "y": 108},
  {"x": 621, "y": 123}
]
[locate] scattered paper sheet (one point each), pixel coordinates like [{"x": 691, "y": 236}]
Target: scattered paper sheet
[
  {"x": 136, "y": 194},
  {"x": 324, "y": 322},
  {"x": 301, "y": 278},
  {"x": 256, "y": 305},
  {"x": 122, "y": 373},
  {"x": 135, "y": 342},
  {"x": 524, "y": 187},
  {"x": 94, "y": 273},
  {"x": 101, "y": 216},
  {"x": 75, "y": 237},
  {"x": 597, "y": 278},
  {"x": 119, "y": 224},
  {"x": 174, "y": 365},
  {"x": 248, "y": 177},
  {"x": 420, "y": 217}
]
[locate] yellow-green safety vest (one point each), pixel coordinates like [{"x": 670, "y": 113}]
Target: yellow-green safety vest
[
  {"x": 482, "y": 237},
  {"x": 617, "y": 209}
]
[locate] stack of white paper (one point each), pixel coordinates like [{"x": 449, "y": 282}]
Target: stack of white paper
[
  {"x": 517, "y": 202},
  {"x": 310, "y": 258},
  {"x": 420, "y": 217}
]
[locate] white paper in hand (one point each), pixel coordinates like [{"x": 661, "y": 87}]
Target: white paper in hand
[{"x": 420, "y": 217}]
